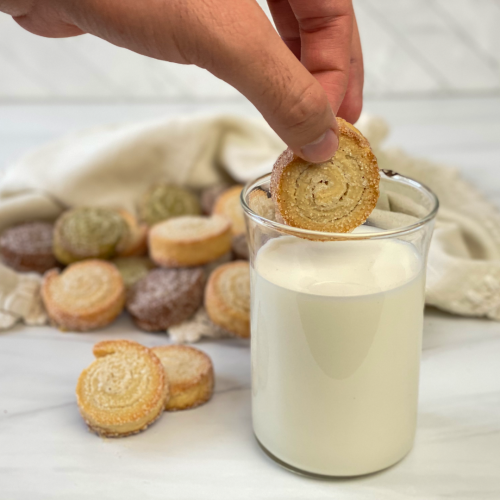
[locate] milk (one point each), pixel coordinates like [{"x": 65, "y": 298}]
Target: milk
[{"x": 336, "y": 340}]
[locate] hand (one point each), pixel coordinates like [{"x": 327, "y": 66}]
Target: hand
[{"x": 234, "y": 40}]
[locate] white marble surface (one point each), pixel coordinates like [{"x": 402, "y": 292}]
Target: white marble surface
[{"x": 46, "y": 451}]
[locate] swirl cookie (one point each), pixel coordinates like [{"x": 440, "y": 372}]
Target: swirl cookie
[
  {"x": 166, "y": 200},
  {"x": 28, "y": 247},
  {"x": 165, "y": 297},
  {"x": 189, "y": 241},
  {"x": 262, "y": 204},
  {"x": 123, "y": 391},
  {"x": 135, "y": 240},
  {"x": 227, "y": 298},
  {"x": 334, "y": 196},
  {"x": 88, "y": 232},
  {"x": 190, "y": 375},
  {"x": 85, "y": 296},
  {"x": 228, "y": 205},
  {"x": 132, "y": 269}
]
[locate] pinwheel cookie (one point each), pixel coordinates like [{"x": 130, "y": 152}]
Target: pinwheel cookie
[
  {"x": 89, "y": 232},
  {"x": 189, "y": 241},
  {"x": 85, "y": 296},
  {"x": 334, "y": 196},
  {"x": 228, "y": 205},
  {"x": 227, "y": 298},
  {"x": 189, "y": 373},
  {"x": 166, "y": 200},
  {"x": 28, "y": 247},
  {"x": 123, "y": 391},
  {"x": 165, "y": 297},
  {"x": 134, "y": 241},
  {"x": 262, "y": 204}
]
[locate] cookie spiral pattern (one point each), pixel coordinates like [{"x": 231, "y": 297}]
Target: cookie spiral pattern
[
  {"x": 334, "y": 196},
  {"x": 85, "y": 296},
  {"x": 227, "y": 298},
  {"x": 123, "y": 391}
]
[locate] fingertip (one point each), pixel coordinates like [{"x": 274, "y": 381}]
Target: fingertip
[{"x": 322, "y": 149}]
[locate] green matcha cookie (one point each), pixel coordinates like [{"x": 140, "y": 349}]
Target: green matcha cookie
[
  {"x": 88, "y": 232},
  {"x": 164, "y": 201},
  {"x": 133, "y": 269}
]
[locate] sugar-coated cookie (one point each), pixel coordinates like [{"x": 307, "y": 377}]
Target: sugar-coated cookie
[
  {"x": 262, "y": 204},
  {"x": 190, "y": 375},
  {"x": 334, "y": 196},
  {"x": 85, "y": 296},
  {"x": 28, "y": 247},
  {"x": 135, "y": 241},
  {"x": 165, "y": 297},
  {"x": 167, "y": 200},
  {"x": 88, "y": 232},
  {"x": 228, "y": 205},
  {"x": 189, "y": 241},
  {"x": 227, "y": 297},
  {"x": 123, "y": 391}
]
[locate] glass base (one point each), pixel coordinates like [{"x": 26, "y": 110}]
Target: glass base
[{"x": 323, "y": 477}]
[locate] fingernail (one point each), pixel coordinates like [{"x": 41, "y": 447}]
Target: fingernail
[{"x": 322, "y": 149}]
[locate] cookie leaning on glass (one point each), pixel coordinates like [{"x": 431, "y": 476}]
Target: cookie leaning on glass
[{"x": 333, "y": 196}]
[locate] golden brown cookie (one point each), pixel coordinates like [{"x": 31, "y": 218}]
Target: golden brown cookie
[
  {"x": 190, "y": 375},
  {"x": 209, "y": 197},
  {"x": 166, "y": 297},
  {"x": 228, "y": 205},
  {"x": 134, "y": 242},
  {"x": 85, "y": 296},
  {"x": 28, "y": 247},
  {"x": 334, "y": 196},
  {"x": 189, "y": 241},
  {"x": 262, "y": 204},
  {"x": 227, "y": 297},
  {"x": 123, "y": 391}
]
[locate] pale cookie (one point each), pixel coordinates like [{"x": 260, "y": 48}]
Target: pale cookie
[
  {"x": 123, "y": 391},
  {"x": 228, "y": 205},
  {"x": 189, "y": 241},
  {"x": 189, "y": 373},
  {"x": 167, "y": 200},
  {"x": 227, "y": 298},
  {"x": 334, "y": 196},
  {"x": 262, "y": 204},
  {"x": 166, "y": 297},
  {"x": 85, "y": 296},
  {"x": 88, "y": 232}
]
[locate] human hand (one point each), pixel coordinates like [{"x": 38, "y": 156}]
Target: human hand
[{"x": 235, "y": 41}]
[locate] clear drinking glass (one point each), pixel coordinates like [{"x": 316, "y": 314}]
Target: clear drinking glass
[{"x": 336, "y": 329}]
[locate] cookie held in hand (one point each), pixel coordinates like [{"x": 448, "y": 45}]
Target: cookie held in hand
[
  {"x": 334, "y": 196},
  {"x": 189, "y": 373},
  {"x": 123, "y": 391},
  {"x": 84, "y": 296}
]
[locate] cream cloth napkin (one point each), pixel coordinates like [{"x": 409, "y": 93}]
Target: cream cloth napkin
[{"x": 113, "y": 165}]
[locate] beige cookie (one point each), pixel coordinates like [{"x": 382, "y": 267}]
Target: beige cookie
[
  {"x": 189, "y": 241},
  {"x": 334, "y": 196},
  {"x": 262, "y": 204},
  {"x": 227, "y": 297},
  {"x": 123, "y": 391},
  {"x": 85, "y": 296},
  {"x": 228, "y": 205},
  {"x": 135, "y": 241},
  {"x": 189, "y": 373}
]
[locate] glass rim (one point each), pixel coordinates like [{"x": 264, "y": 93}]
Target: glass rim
[{"x": 323, "y": 235}]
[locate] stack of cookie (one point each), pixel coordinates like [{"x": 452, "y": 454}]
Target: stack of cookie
[{"x": 96, "y": 264}]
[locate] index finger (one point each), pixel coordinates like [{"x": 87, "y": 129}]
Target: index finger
[{"x": 326, "y": 29}]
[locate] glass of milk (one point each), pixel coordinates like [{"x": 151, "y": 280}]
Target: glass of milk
[{"x": 336, "y": 330}]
